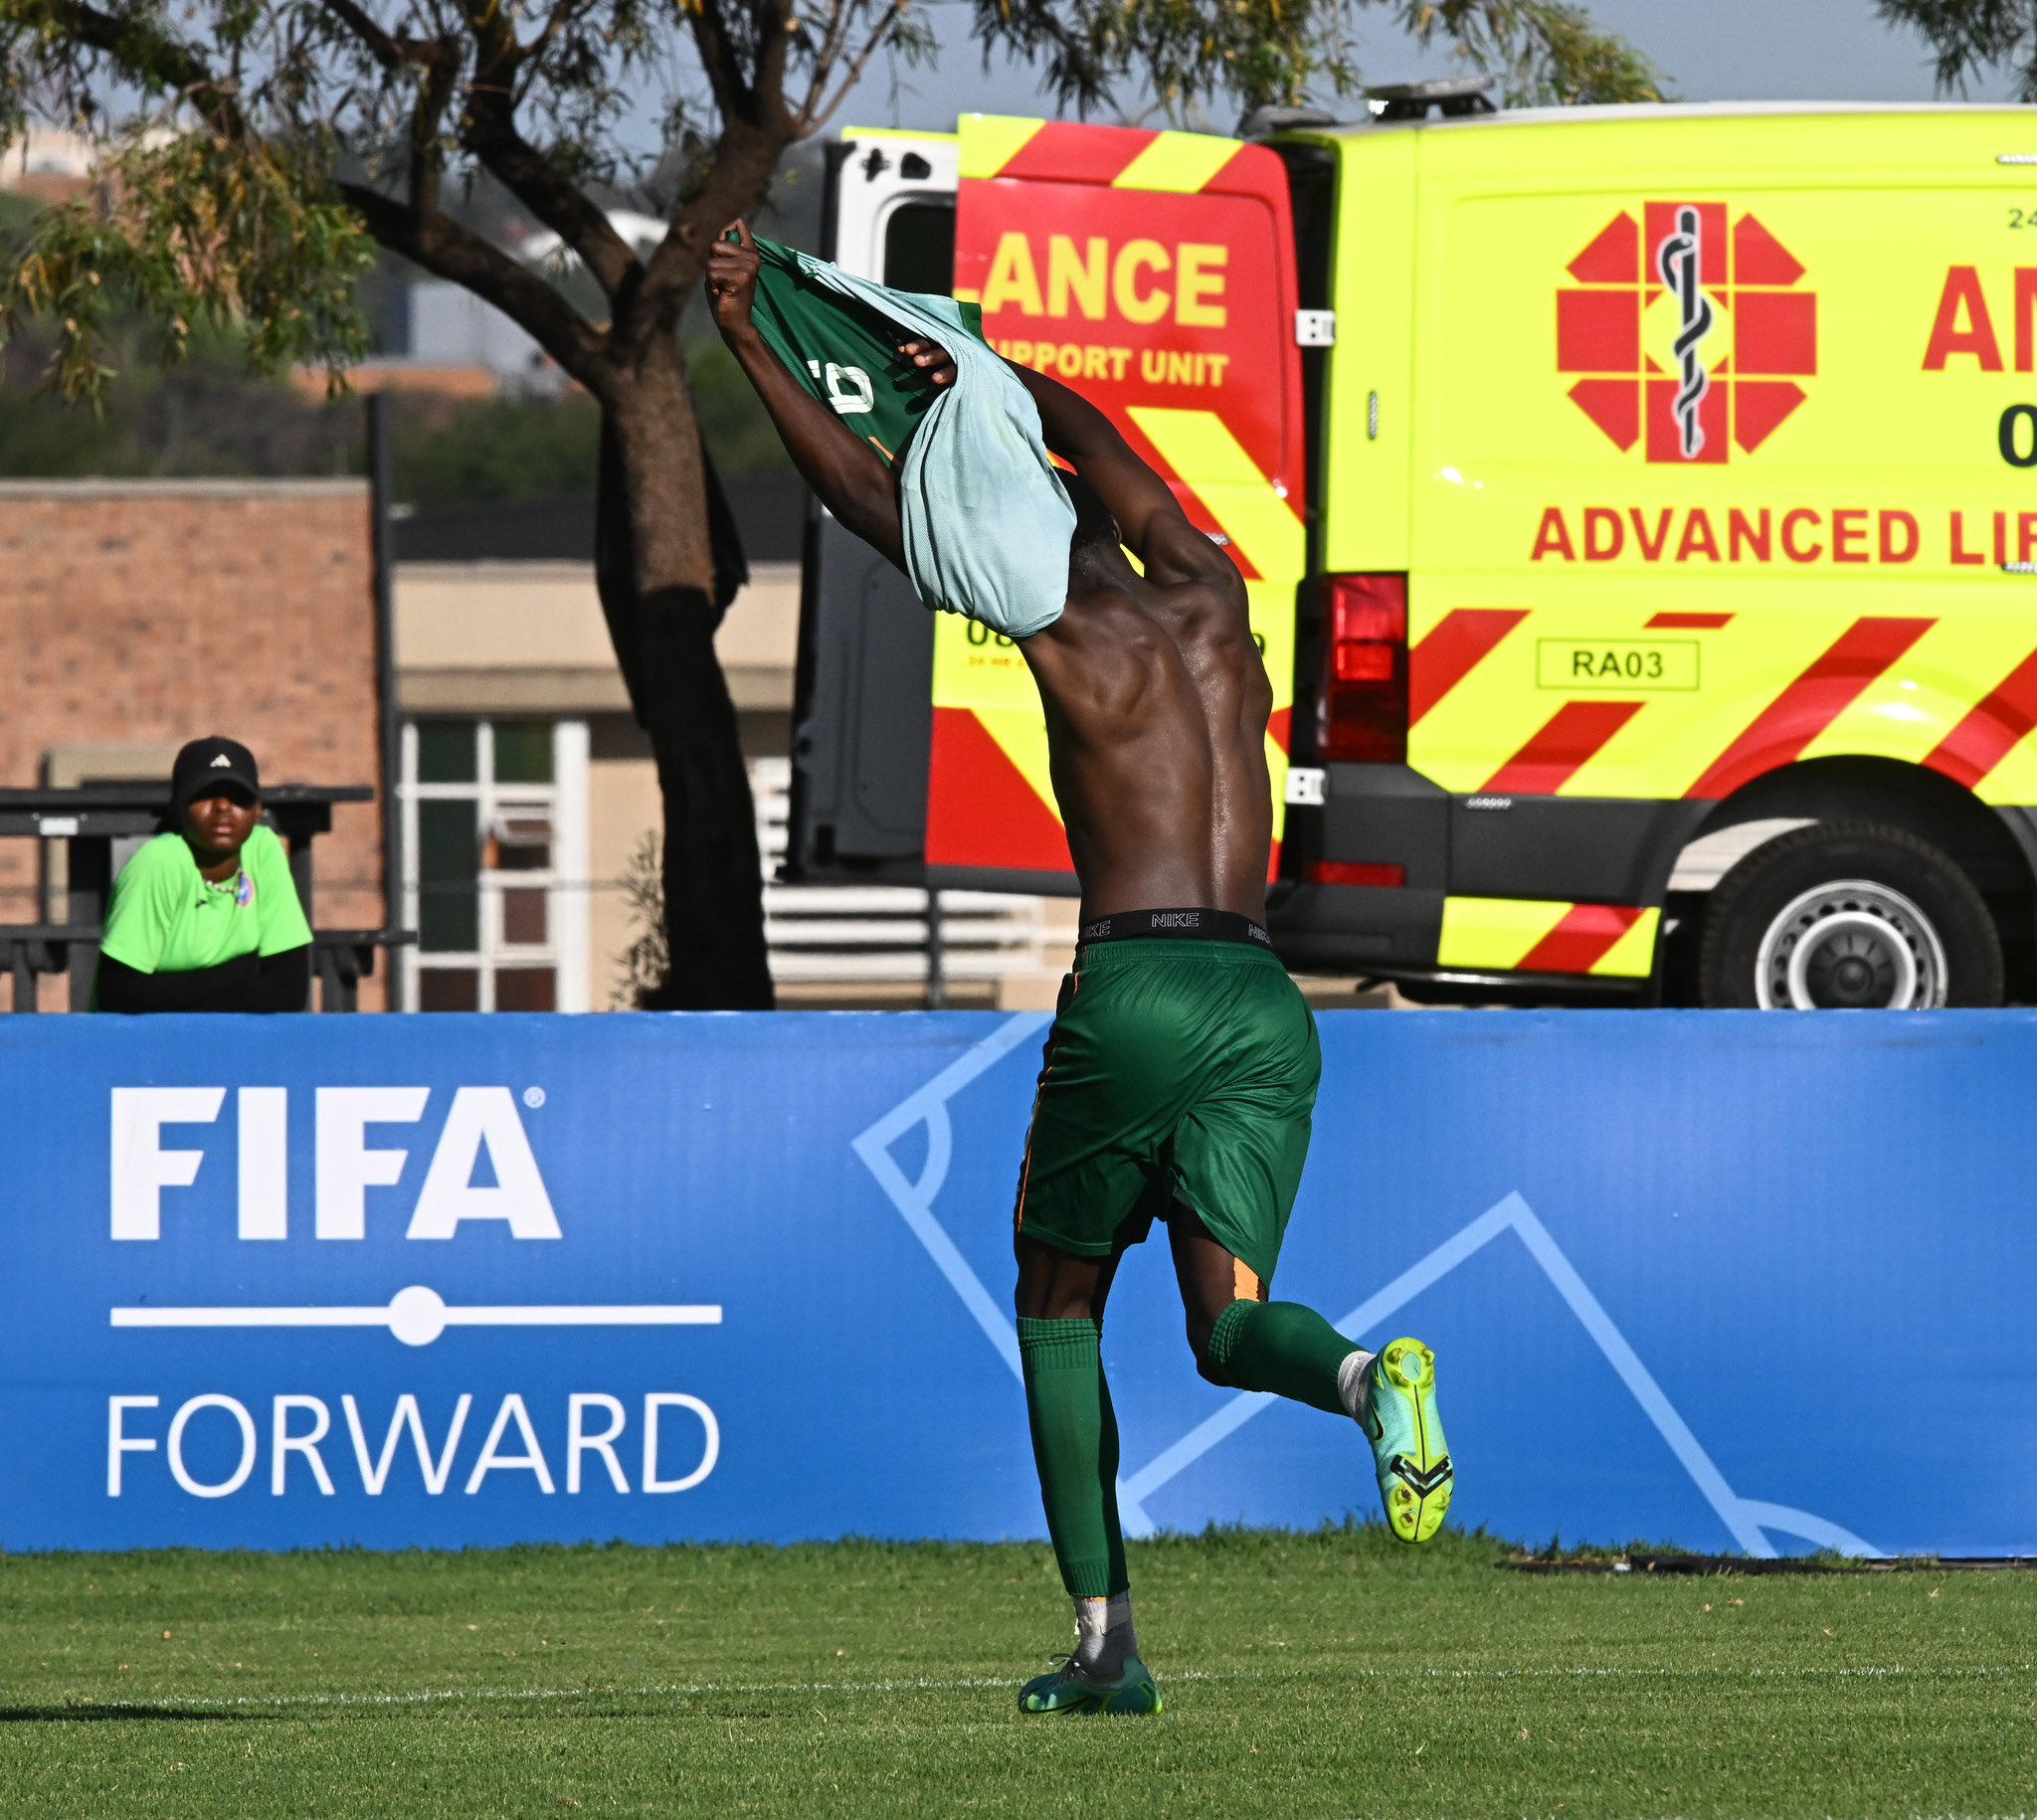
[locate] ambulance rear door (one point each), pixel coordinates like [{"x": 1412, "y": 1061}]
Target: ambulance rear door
[
  {"x": 862, "y": 711},
  {"x": 1154, "y": 273}
]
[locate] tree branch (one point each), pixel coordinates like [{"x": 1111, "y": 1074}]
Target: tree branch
[
  {"x": 717, "y": 57},
  {"x": 757, "y": 127},
  {"x": 532, "y": 53},
  {"x": 744, "y": 158},
  {"x": 840, "y": 16},
  {"x": 776, "y": 23},
  {"x": 380, "y": 45},
  {"x": 441, "y": 246},
  {"x": 489, "y": 130},
  {"x": 427, "y": 155},
  {"x": 135, "y": 51},
  {"x": 1969, "y": 38},
  {"x": 810, "y": 117}
]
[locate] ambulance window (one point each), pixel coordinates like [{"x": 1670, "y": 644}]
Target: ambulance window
[
  {"x": 919, "y": 246},
  {"x": 1312, "y": 186}
]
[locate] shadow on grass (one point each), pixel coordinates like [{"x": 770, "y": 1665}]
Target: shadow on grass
[{"x": 139, "y": 1712}]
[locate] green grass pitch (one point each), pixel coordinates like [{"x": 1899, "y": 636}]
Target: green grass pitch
[{"x": 1335, "y": 1674}]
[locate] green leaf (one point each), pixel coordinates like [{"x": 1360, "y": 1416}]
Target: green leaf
[{"x": 197, "y": 228}]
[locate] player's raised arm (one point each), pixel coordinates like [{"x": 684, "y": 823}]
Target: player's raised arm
[
  {"x": 1150, "y": 519},
  {"x": 849, "y": 476}
]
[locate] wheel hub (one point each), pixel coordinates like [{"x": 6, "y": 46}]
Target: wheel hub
[{"x": 1853, "y": 945}]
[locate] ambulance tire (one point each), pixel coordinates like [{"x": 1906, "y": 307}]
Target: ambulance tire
[{"x": 1848, "y": 915}]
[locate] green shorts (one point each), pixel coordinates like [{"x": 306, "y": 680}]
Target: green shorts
[{"x": 1175, "y": 1072}]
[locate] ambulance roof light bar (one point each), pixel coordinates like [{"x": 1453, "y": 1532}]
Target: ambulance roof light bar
[
  {"x": 1452, "y": 96},
  {"x": 1262, "y": 123}
]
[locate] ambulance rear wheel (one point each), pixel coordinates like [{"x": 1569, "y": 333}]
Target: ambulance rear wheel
[{"x": 1848, "y": 915}]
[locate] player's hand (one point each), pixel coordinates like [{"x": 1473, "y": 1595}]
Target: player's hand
[
  {"x": 732, "y": 268},
  {"x": 932, "y": 359}
]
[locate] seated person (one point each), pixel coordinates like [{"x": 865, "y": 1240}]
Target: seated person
[{"x": 205, "y": 917}]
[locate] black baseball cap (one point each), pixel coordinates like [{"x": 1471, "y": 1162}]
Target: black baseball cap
[{"x": 205, "y": 764}]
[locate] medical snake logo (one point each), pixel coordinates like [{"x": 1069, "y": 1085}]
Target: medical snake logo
[
  {"x": 1677, "y": 259},
  {"x": 1686, "y": 331}
]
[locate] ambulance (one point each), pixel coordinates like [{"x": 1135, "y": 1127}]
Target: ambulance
[{"x": 1637, "y": 506}]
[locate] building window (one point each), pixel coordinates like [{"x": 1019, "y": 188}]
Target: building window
[{"x": 494, "y": 832}]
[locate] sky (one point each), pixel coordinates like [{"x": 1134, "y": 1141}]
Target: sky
[{"x": 1710, "y": 51}]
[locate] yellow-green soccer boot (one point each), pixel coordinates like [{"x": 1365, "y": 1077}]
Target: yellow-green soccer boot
[
  {"x": 1408, "y": 1450},
  {"x": 1068, "y": 1691}
]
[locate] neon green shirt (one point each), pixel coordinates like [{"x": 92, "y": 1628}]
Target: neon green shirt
[{"x": 166, "y": 918}]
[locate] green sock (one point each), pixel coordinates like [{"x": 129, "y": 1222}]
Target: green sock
[
  {"x": 1280, "y": 1347},
  {"x": 1075, "y": 1446}
]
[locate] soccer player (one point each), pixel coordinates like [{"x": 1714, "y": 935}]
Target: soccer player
[
  {"x": 205, "y": 917},
  {"x": 1181, "y": 1072}
]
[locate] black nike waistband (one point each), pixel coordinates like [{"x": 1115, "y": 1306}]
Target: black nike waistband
[{"x": 1194, "y": 925}]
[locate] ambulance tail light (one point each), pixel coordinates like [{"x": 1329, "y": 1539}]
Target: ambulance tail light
[
  {"x": 1355, "y": 872},
  {"x": 1362, "y": 702}
]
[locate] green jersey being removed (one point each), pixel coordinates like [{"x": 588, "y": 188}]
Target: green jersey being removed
[
  {"x": 984, "y": 523},
  {"x": 842, "y": 351}
]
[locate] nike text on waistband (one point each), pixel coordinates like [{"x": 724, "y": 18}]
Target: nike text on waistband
[{"x": 1197, "y": 925}]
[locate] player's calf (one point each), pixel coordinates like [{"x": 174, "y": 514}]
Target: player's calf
[
  {"x": 1293, "y": 1351},
  {"x": 1280, "y": 1347}
]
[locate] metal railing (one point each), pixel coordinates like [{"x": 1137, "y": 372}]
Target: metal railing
[{"x": 885, "y": 934}]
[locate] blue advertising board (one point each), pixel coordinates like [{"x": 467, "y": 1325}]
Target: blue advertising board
[{"x": 1730, "y": 1282}]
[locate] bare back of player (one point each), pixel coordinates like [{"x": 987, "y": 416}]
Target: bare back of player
[{"x": 1157, "y": 699}]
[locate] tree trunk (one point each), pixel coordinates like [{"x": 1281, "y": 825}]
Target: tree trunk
[{"x": 664, "y": 625}]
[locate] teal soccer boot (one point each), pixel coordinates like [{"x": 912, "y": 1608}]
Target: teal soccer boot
[
  {"x": 1067, "y": 1690},
  {"x": 1408, "y": 1451}
]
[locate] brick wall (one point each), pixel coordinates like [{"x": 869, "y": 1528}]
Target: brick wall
[{"x": 151, "y": 613}]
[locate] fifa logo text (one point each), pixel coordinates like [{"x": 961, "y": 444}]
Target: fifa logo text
[{"x": 145, "y": 1161}]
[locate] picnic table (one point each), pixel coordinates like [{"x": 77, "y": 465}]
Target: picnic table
[{"x": 89, "y": 817}]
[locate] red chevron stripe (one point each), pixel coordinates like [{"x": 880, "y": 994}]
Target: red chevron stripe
[
  {"x": 1990, "y": 732},
  {"x": 1185, "y": 496},
  {"x": 1063, "y": 151},
  {"x": 1238, "y": 175},
  {"x": 1689, "y": 622},
  {"x": 1574, "y": 733},
  {"x": 1456, "y": 646},
  {"x": 1807, "y": 706},
  {"x": 1581, "y": 940},
  {"x": 981, "y": 811}
]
